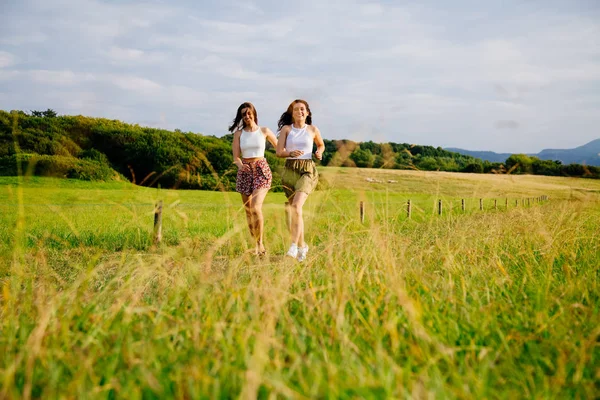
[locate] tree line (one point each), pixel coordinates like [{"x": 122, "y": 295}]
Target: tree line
[{"x": 46, "y": 144}]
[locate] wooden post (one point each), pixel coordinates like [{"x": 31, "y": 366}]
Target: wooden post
[
  {"x": 362, "y": 212},
  {"x": 158, "y": 222},
  {"x": 516, "y": 202},
  {"x": 463, "y": 204},
  {"x": 408, "y": 209},
  {"x": 288, "y": 216},
  {"x": 506, "y": 203},
  {"x": 480, "y": 204},
  {"x": 495, "y": 204},
  {"x": 528, "y": 202},
  {"x": 440, "y": 207}
]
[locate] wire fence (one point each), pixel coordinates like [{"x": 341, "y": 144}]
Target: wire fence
[{"x": 441, "y": 207}]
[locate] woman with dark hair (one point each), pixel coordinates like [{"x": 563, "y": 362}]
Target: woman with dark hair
[
  {"x": 300, "y": 176},
  {"x": 254, "y": 175}
]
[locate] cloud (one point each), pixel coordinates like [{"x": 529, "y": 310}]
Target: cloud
[
  {"x": 134, "y": 83},
  {"x": 8, "y": 75},
  {"x": 64, "y": 77},
  {"x": 507, "y": 124},
  {"x": 24, "y": 39},
  {"x": 404, "y": 73},
  {"x": 6, "y": 59},
  {"x": 131, "y": 56}
]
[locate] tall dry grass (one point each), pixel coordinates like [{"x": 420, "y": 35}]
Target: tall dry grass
[{"x": 493, "y": 304}]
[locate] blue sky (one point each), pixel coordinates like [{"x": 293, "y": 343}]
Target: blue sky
[{"x": 507, "y": 76}]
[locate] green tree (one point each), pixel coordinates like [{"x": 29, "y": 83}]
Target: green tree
[
  {"x": 49, "y": 113},
  {"x": 427, "y": 163},
  {"x": 520, "y": 163},
  {"x": 374, "y": 148},
  {"x": 362, "y": 158},
  {"x": 476, "y": 168}
]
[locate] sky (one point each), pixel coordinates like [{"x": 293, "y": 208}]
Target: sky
[{"x": 506, "y": 76}]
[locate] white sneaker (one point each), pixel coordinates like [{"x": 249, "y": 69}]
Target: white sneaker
[
  {"x": 293, "y": 251},
  {"x": 302, "y": 252}
]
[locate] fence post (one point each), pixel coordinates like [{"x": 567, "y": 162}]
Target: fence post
[
  {"x": 362, "y": 212},
  {"x": 495, "y": 204},
  {"x": 440, "y": 207},
  {"x": 158, "y": 222},
  {"x": 506, "y": 203},
  {"x": 463, "y": 204},
  {"x": 516, "y": 202},
  {"x": 288, "y": 216},
  {"x": 480, "y": 204},
  {"x": 408, "y": 209}
]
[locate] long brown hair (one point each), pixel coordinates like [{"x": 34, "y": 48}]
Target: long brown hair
[
  {"x": 287, "y": 117},
  {"x": 238, "y": 121}
]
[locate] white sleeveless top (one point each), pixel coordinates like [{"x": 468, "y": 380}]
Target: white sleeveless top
[
  {"x": 252, "y": 144},
  {"x": 299, "y": 139}
]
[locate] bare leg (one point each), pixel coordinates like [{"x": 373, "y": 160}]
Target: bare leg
[
  {"x": 247, "y": 199},
  {"x": 256, "y": 203},
  {"x": 297, "y": 202}
]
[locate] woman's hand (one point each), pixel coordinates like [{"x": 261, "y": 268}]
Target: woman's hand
[
  {"x": 319, "y": 154},
  {"x": 243, "y": 167},
  {"x": 296, "y": 153}
]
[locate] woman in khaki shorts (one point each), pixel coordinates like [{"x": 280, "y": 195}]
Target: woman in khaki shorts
[
  {"x": 254, "y": 175},
  {"x": 300, "y": 176}
]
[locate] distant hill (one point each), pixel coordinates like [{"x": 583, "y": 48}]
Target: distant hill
[{"x": 588, "y": 154}]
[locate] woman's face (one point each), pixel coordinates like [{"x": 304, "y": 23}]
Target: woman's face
[
  {"x": 247, "y": 115},
  {"x": 299, "y": 112}
]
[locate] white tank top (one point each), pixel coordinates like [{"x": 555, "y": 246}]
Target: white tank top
[
  {"x": 299, "y": 139},
  {"x": 252, "y": 144}
]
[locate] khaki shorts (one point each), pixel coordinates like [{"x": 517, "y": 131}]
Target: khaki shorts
[{"x": 299, "y": 176}]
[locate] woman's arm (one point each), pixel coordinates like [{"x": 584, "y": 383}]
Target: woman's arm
[
  {"x": 280, "y": 152},
  {"x": 271, "y": 137},
  {"x": 320, "y": 144},
  {"x": 235, "y": 146}
]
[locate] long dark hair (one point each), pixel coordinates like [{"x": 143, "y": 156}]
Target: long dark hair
[
  {"x": 238, "y": 121},
  {"x": 287, "y": 117}
]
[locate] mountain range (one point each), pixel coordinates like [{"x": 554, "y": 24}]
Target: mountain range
[{"x": 588, "y": 154}]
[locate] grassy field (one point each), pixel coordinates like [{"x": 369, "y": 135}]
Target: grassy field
[{"x": 500, "y": 303}]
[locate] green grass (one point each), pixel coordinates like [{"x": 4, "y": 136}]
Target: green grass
[{"x": 495, "y": 304}]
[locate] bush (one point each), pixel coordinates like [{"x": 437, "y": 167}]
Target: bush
[
  {"x": 474, "y": 168},
  {"x": 56, "y": 166},
  {"x": 94, "y": 155}
]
